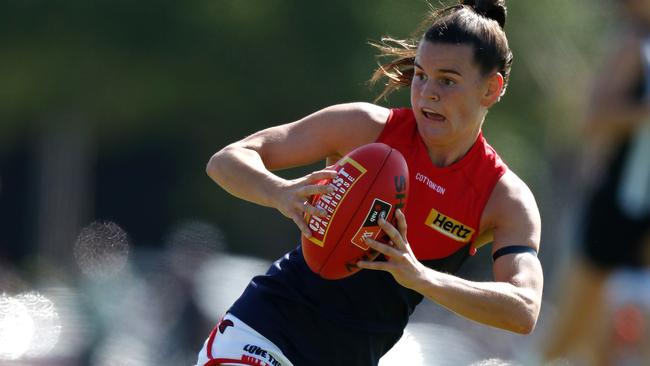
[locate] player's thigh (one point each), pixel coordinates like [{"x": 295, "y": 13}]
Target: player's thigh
[{"x": 233, "y": 342}]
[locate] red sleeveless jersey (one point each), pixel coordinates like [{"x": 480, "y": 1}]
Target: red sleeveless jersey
[{"x": 445, "y": 204}]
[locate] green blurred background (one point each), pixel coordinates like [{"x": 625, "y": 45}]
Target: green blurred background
[{"x": 109, "y": 111}]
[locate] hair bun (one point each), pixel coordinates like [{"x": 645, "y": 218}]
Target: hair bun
[{"x": 493, "y": 9}]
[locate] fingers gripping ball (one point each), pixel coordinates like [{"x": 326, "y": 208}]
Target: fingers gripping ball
[{"x": 371, "y": 182}]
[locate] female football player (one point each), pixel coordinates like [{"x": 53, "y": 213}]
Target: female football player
[{"x": 456, "y": 71}]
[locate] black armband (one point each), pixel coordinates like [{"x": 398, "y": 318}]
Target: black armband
[{"x": 513, "y": 249}]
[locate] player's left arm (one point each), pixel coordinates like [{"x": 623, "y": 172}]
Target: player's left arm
[
  {"x": 517, "y": 233},
  {"x": 512, "y": 301}
]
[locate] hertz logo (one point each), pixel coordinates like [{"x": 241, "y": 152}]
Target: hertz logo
[{"x": 449, "y": 227}]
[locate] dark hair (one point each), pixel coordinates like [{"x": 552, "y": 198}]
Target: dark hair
[{"x": 478, "y": 23}]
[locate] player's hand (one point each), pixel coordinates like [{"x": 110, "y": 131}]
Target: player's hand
[
  {"x": 293, "y": 198},
  {"x": 401, "y": 261}
]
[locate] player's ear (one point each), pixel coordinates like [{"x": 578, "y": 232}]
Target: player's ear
[{"x": 493, "y": 89}]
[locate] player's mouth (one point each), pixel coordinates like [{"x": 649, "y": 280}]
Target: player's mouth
[{"x": 431, "y": 115}]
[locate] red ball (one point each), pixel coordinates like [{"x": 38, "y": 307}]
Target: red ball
[{"x": 372, "y": 182}]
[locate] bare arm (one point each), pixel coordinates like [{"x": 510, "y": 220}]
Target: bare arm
[
  {"x": 243, "y": 168},
  {"x": 512, "y": 301}
]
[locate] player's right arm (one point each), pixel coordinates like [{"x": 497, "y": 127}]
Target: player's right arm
[{"x": 244, "y": 168}]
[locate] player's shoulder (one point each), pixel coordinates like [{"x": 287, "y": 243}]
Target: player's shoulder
[
  {"x": 513, "y": 213},
  {"x": 513, "y": 200},
  {"x": 353, "y": 124},
  {"x": 511, "y": 189},
  {"x": 344, "y": 127},
  {"x": 362, "y": 112}
]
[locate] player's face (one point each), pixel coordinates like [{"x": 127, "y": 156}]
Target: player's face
[{"x": 448, "y": 93}]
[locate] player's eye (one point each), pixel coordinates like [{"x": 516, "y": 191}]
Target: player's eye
[
  {"x": 447, "y": 82},
  {"x": 419, "y": 75}
]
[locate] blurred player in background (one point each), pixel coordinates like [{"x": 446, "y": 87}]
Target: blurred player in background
[
  {"x": 456, "y": 71},
  {"x": 617, "y": 171}
]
